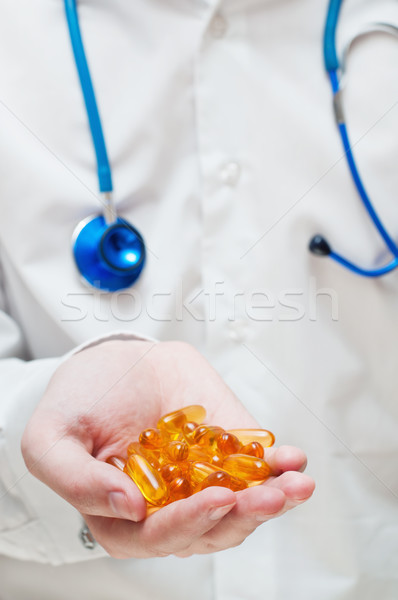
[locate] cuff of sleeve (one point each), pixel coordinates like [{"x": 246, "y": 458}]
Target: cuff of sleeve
[
  {"x": 115, "y": 335},
  {"x": 38, "y": 524}
]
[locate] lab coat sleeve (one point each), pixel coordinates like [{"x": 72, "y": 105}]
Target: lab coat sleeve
[{"x": 35, "y": 523}]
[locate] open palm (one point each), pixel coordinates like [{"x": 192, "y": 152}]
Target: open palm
[{"x": 97, "y": 403}]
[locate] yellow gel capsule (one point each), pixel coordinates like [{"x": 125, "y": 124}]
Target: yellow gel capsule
[
  {"x": 198, "y": 454},
  {"x": 204, "y": 454},
  {"x": 238, "y": 484},
  {"x": 189, "y": 427},
  {"x": 206, "y": 435},
  {"x": 216, "y": 459},
  {"x": 247, "y": 467},
  {"x": 254, "y": 449},
  {"x": 228, "y": 443},
  {"x": 245, "y": 436},
  {"x": 147, "y": 479},
  {"x": 152, "y": 438},
  {"x": 174, "y": 422},
  {"x": 151, "y": 455},
  {"x": 134, "y": 448},
  {"x": 170, "y": 471},
  {"x": 223, "y": 479},
  {"x": 150, "y": 509},
  {"x": 179, "y": 488},
  {"x": 198, "y": 471},
  {"x": 177, "y": 451},
  {"x": 116, "y": 461},
  {"x": 219, "y": 478}
]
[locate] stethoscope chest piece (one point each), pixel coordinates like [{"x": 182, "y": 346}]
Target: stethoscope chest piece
[
  {"x": 109, "y": 257},
  {"x": 108, "y": 251}
]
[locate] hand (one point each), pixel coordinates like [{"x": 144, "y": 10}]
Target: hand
[{"x": 97, "y": 403}]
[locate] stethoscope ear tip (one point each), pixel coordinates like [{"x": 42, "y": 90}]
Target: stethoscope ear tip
[{"x": 319, "y": 246}]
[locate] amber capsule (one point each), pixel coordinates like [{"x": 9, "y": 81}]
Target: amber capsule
[
  {"x": 198, "y": 471},
  {"x": 262, "y": 436},
  {"x": 170, "y": 471},
  {"x": 150, "y": 509},
  {"x": 203, "y": 454},
  {"x": 174, "y": 421},
  {"x": 246, "y": 467},
  {"x": 179, "y": 488},
  {"x": 223, "y": 479},
  {"x": 177, "y": 451},
  {"x": 218, "y": 478},
  {"x": 147, "y": 479},
  {"x": 215, "y": 458},
  {"x": 228, "y": 443},
  {"x": 152, "y": 455},
  {"x": 116, "y": 461},
  {"x": 206, "y": 435},
  {"x": 188, "y": 429},
  {"x": 238, "y": 484},
  {"x": 253, "y": 449},
  {"x": 133, "y": 448},
  {"x": 197, "y": 453},
  {"x": 152, "y": 438}
]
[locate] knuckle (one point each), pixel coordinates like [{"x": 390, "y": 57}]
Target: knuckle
[{"x": 211, "y": 547}]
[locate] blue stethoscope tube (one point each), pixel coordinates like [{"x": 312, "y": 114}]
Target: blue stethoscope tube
[
  {"x": 319, "y": 245},
  {"x": 109, "y": 252}
]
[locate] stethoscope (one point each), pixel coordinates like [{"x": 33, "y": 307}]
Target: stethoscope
[
  {"x": 336, "y": 70},
  {"x": 110, "y": 253}
]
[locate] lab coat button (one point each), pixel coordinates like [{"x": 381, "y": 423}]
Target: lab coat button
[
  {"x": 87, "y": 539},
  {"x": 230, "y": 173},
  {"x": 218, "y": 26}
]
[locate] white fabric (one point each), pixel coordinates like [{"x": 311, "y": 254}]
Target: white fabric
[{"x": 224, "y": 151}]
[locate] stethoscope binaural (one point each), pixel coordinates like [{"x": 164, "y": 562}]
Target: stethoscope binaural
[
  {"x": 110, "y": 253},
  {"x": 336, "y": 69}
]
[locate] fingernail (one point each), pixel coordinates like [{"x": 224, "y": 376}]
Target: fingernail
[
  {"x": 118, "y": 503},
  {"x": 217, "y": 513}
]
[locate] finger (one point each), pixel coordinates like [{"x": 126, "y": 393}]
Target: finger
[
  {"x": 285, "y": 458},
  {"x": 250, "y": 510},
  {"x": 254, "y": 506},
  {"x": 297, "y": 487},
  {"x": 171, "y": 530},
  {"x": 90, "y": 485}
]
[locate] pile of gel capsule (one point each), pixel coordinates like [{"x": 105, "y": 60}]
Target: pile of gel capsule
[{"x": 182, "y": 456}]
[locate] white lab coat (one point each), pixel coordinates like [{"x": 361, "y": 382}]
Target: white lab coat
[{"x": 224, "y": 151}]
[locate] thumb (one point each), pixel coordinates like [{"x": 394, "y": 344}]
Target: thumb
[{"x": 93, "y": 487}]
